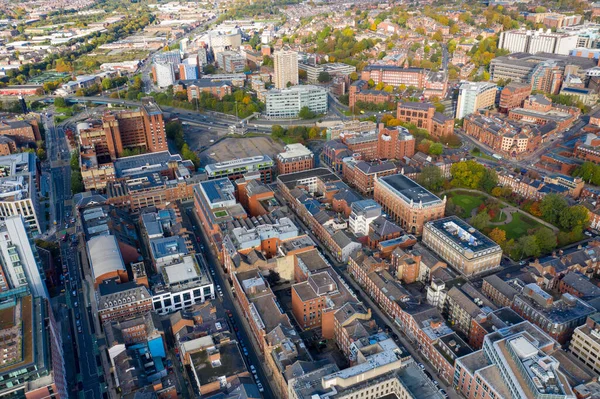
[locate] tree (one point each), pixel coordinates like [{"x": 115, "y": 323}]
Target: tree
[
  {"x": 529, "y": 246},
  {"x": 354, "y": 76},
  {"x": 76, "y": 182},
  {"x": 306, "y": 113},
  {"x": 497, "y": 192},
  {"x": 438, "y": 36},
  {"x": 481, "y": 220},
  {"x": 324, "y": 77},
  {"x": 371, "y": 83},
  {"x": 574, "y": 217},
  {"x": 431, "y": 178},
  {"x": 467, "y": 174},
  {"x": 273, "y": 277},
  {"x": 552, "y": 207},
  {"x": 436, "y": 149},
  {"x": 107, "y": 83},
  {"x": 60, "y": 102},
  {"x": 546, "y": 239},
  {"x": 489, "y": 180},
  {"x": 498, "y": 235}
]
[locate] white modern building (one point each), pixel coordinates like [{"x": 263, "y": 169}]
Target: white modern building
[
  {"x": 532, "y": 42},
  {"x": 220, "y": 41},
  {"x": 18, "y": 191},
  {"x": 334, "y": 68},
  {"x": 183, "y": 284},
  {"x": 363, "y": 213},
  {"x": 285, "y": 65},
  {"x": 165, "y": 75},
  {"x": 20, "y": 260},
  {"x": 473, "y": 96},
  {"x": 287, "y": 103}
]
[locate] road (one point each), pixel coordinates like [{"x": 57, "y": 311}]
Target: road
[
  {"x": 227, "y": 300},
  {"x": 56, "y": 170},
  {"x": 60, "y": 175}
]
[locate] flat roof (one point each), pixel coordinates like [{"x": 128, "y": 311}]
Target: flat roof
[
  {"x": 463, "y": 236},
  {"x": 409, "y": 190},
  {"x": 219, "y": 190},
  {"x": 257, "y": 160}
]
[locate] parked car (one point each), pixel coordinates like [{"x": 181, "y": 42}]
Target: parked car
[
  {"x": 422, "y": 366},
  {"x": 444, "y": 394}
]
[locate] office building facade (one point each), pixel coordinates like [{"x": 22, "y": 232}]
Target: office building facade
[{"x": 407, "y": 203}]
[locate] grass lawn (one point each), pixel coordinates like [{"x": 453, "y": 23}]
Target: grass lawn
[
  {"x": 500, "y": 217},
  {"x": 518, "y": 226},
  {"x": 467, "y": 202}
]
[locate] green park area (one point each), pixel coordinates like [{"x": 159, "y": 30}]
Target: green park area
[
  {"x": 518, "y": 226},
  {"x": 467, "y": 202}
]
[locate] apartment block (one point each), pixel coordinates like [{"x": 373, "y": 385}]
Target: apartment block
[
  {"x": 532, "y": 42},
  {"x": 19, "y": 185},
  {"x": 285, "y": 65},
  {"x": 474, "y": 96}
]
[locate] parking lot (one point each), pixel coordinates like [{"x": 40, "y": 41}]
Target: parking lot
[{"x": 235, "y": 148}]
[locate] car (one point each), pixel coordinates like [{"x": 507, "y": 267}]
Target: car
[
  {"x": 78, "y": 323},
  {"x": 78, "y": 316},
  {"x": 79, "y": 330},
  {"x": 444, "y": 394},
  {"x": 245, "y": 352},
  {"x": 422, "y": 366},
  {"x": 253, "y": 369},
  {"x": 76, "y": 304},
  {"x": 435, "y": 383},
  {"x": 428, "y": 374},
  {"x": 261, "y": 389},
  {"x": 74, "y": 293}
]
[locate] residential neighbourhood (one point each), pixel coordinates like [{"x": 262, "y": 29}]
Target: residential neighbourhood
[{"x": 299, "y": 199}]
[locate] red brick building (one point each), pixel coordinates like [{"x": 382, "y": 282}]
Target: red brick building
[
  {"x": 513, "y": 95},
  {"x": 22, "y": 132},
  {"x": 295, "y": 158},
  {"x": 360, "y": 92},
  {"x": 424, "y": 116},
  {"x": 361, "y": 174},
  {"x": 143, "y": 128}
]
